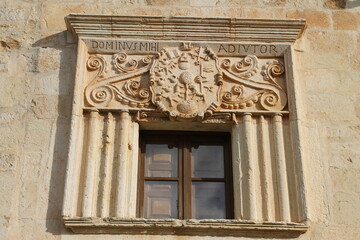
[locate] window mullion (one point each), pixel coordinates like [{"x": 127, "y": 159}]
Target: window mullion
[
  {"x": 141, "y": 182},
  {"x": 180, "y": 181},
  {"x": 187, "y": 180},
  {"x": 228, "y": 180}
]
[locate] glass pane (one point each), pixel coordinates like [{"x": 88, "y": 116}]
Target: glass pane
[
  {"x": 207, "y": 161},
  {"x": 161, "y": 161},
  {"x": 160, "y": 199},
  {"x": 208, "y": 200}
]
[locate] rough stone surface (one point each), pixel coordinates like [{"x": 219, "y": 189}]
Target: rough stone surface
[
  {"x": 346, "y": 20},
  {"x": 37, "y": 65},
  {"x": 315, "y": 19}
]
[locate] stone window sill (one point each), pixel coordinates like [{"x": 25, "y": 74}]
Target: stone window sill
[{"x": 208, "y": 227}]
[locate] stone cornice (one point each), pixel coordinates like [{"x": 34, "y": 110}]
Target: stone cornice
[{"x": 185, "y": 28}]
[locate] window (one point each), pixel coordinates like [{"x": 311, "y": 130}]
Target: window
[
  {"x": 135, "y": 74},
  {"x": 185, "y": 176}
]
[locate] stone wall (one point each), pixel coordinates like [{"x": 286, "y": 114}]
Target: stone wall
[{"x": 37, "y": 68}]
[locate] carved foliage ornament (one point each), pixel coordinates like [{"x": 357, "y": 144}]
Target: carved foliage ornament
[{"x": 185, "y": 82}]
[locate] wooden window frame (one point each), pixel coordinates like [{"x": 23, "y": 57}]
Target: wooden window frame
[{"x": 184, "y": 140}]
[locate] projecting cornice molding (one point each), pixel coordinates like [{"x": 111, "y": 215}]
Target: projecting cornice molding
[{"x": 185, "y": 28}]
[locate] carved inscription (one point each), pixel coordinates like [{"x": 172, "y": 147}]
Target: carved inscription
[
  {"x": 124, "y": 46},
  {"x": 254, "y": 49},
  {"x": 221, "y": 49}
]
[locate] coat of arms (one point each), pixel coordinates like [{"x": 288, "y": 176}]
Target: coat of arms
[{"x": 185, "y": 81}]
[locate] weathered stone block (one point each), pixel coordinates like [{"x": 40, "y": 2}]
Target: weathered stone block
[
  {"x": 346, "y": 204},
  {"x": 346, "y": 20},
  {"x": 206, "y": 3},
  {"x": 243, "y": 2},
  {"x": 12, "y": 14},
  {"x": 47, "y": 83},
  {"x": 45, "y": 106},
  {"x": 30, "y": 59},
  {"x": 9, "y": 44},
  {"x": 184, "y": 11},
  {"x": 28, "y": 199},
  {"x": 143, "y": 11},
  {"x": 167, "y": 2},
  {"x": 335, "y": 4},
  {"x": 304, "y": 4},
  {"x": 220, "y": 12},
  {"x": 34, "y": 229},
  {"x": 314, "y": 19},
  {"x": 52, "y": 11},
  {"x": 343, "y": 179},
  {"x": 274, "y": 3},
  {"x": 328, "y": 80},
  {"x": 3, "y": 66},
  {"x": 7, "y": 186},
  {"x": 318, "y": 108},
  {"x": 129, "y": 2},
  {"x": 32, "y": 164},
  {"x": 263, "y": 13},
  {"x": 11, "y": 134},
  {"x": 338, "y": 42},
  {"x": 329, "y": 61},
  {"x": 7, "y": 161},
  {"x": 4, "y": 225},
  {"x": 38, "y": 132},
  {"x": 49, "y": 59},
  {"x": 343, "y": 154}
]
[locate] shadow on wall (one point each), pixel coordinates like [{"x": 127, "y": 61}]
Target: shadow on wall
[
  {"x": 66, "y": 80},
  {"x": 342, "y": 4},
  {"x": 352, "y": 3}
]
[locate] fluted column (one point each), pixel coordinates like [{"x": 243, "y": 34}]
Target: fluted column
[
  {"x": 236, "y": 167},
  {"x": 249, "y": 149},
  {"x": 283, "y": 191},
  {"x": 91, "y": 158},
  {"x": 108, "y": 164},
  {"x": 133, "y": 170},
  {"x": 265, "y": 171},
  {"x": 120, "y": 202}
]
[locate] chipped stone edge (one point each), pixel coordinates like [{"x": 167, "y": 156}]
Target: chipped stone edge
[
  {"x": 209, "y": 227},
  {"x": 173, "y": 28}
]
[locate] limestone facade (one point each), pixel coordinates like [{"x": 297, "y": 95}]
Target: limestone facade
[{"x": 313, "y": 78}]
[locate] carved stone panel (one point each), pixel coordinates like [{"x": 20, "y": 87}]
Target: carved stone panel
[{"x": 185, "y": 80}]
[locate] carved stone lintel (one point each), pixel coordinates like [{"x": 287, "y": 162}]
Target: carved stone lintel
[{"x": 188, "y": 82}]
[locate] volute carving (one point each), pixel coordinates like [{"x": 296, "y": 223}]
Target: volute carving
[
  {"x": 185, "y": 82},
  {"x": 124, "y": 87},
  {"x": 250, "y": 93}
]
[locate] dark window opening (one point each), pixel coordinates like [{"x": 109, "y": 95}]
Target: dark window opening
[{"x": 185, "y": 175}]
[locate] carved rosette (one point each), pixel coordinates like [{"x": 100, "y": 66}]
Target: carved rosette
[{"x": 185, "y": 82}]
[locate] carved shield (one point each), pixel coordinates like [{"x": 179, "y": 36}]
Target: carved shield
[{"x": 185, "y": 81}]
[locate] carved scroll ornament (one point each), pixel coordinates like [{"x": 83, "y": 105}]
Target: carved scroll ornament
[
  {"x": 101, "y": 91},
  {"x": 185, "y": 82}
]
